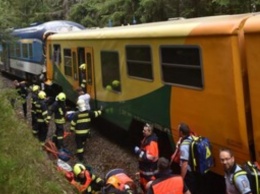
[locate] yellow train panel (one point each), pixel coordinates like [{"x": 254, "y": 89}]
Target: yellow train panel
[
  {"x": 218, "y": 110},
  {"x": 252, "y": 42}
]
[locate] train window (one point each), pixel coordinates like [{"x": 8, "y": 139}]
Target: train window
[
  {"x": 139, "y": 62},
  {"x": 56, "y": 54},
  {"x": 75, "y": 67},
  {"x": 67, "y": 62},
  {"x": 30, "y": 51},
  {"x": 50, "y": 51},
  {"x": 12, "y": 50},
  {"x": 181, "y": 65},
  {"x": 89, "y": 68},
  {"x": 17, "y": 50},
  {"x": 25, "y": 50},
  {"x": 110, "y": 70}
]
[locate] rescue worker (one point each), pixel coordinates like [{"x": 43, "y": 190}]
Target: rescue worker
[
  {"x": 59, "y": 110},
  {"x": 85, "y": 181},
  {"x": 117, "y": 181},
  {"x": 241, "y": 184},
  {"x": 113, "y": 186},
  {"x": 191, "y": 178},
  {"x": 82, "y": 69},
  {"x": 148, "y": 154},
  {"x": 80, "y": 124},
  {"x": 43, "y": 117},
  {"x": 22, "y": 90},
  {"x": 34, "y": 99},
  {"x": 84, "y": 96},
  {"x": 165, "y": 181}
]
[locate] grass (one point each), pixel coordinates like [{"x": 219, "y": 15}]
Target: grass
[{"x": 24, "y": 166}]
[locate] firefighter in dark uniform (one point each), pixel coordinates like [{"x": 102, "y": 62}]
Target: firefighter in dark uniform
[
  {"x": 43, "y": 117},
  {"x": 83, "y": 83},
  {"x": 22, "y": 90},
  {"x": 80, "y": 124},
  {"x": 85, "y": 181},
  {"x": 34, "y": 99},
  {"x": 59, "y": 110},
  {"x": 148, "y": 154}
]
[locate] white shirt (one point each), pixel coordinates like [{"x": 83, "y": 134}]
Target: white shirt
[{"x": 86, "y": 98}]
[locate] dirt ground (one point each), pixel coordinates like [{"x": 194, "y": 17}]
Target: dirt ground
[{"x": 101, "y": 153}]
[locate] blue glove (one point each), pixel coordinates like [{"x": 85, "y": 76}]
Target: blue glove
[{"x": 137, "y": 150}]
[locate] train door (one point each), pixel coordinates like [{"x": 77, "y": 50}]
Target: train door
[
  {"x": 81, "y": 60},
  {"x": 85, "y": 56},
  {"x": 90, "y": 86}
]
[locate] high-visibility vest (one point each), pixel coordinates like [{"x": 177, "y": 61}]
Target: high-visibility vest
[
  {"x": 83, "y": 187},
  {"x": 172, "y": 185}
]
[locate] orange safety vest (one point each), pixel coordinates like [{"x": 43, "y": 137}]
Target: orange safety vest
[
  {"x": 173, "y": 185},
  {"x": 123, "y": 178},
  {"x": 83, "y": 187},
  {"x": 151, "y": 147}
]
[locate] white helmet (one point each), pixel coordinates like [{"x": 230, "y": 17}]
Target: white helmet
[{"x": 81, "y": 105}]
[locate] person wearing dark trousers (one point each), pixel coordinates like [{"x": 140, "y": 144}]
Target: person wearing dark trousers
[
  {"x": 34, "y": 99},
  {"x": 43, "y": 117},
  {"x": 83, "y": 82},
  {"x": 191, "y": 179},
  {"x": 59, "y": 110},
  {"x": 148, "y": 154},
  {"x": 80, "y": 125},
  {"x": 22, "y": 90}
]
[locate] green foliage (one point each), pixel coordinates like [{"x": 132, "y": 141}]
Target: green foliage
[
  {"x": 24, "y": 167},
  {"x": 98, "y": 13}
]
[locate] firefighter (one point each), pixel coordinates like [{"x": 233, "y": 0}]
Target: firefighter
[
  {"x": 22, "y": 90},
  {"x": 85, "y": 181},
  {"x": 59, "y": 110},
  {"x": 83, "y": 83},
  {"x": 80, "y": 124},
  {"x": 43, "y": 117},
  {"x": 34, "y": 99},
  {"x": 148, "y": 154}
]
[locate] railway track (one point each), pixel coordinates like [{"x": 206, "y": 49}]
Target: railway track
[
  {"x": 104, "y": 151},
  {"x": 101, "y": 153}
]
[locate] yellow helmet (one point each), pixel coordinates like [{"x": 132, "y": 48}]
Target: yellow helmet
[
  {"x": 78, "y": 168},
  {"x": 42, "y": 95},
  {"x": 113, "y": 180},
  {"x": 61, "y": 96},
  {"x": 83, "y": 66},
  {"x": 35, "y": 88}
]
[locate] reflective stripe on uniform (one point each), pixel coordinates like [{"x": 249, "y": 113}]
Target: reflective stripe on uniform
[{"x": 82, "y": 131}]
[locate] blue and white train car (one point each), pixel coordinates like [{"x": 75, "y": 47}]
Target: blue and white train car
[{"x": 24, "y": 56}]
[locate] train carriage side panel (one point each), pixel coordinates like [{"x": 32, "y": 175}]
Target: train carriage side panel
[
  {"x": 252, "y": 42},
  {"x": 217, "y": 110}
]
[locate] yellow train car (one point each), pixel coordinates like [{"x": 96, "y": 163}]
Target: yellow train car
[
  {"x": 252, "y": 42},
  {"x": 191, "y": 70}
]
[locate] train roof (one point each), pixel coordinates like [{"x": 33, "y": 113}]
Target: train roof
[
  {"x": 252, "y": 25},
  {"x": 202, "y": 26},
  {"x": 37, "y": 31}
]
